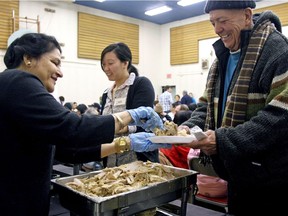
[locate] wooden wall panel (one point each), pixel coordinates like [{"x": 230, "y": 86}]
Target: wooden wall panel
[
  {"x": 280, "y": 10},
  {"x": 6, "y": 8},
  {"x": 95, "y": 33}
]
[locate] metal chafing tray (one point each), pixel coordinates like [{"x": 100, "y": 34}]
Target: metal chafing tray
[{"x": 127, "y": 203}]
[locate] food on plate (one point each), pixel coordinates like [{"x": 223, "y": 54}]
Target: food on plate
[
  {"x": 127, "y": 177},
  {"x": 182, "y": 132},
  {"x": 171, "y": 129}
]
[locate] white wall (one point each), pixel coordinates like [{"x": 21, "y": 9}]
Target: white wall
[{"x": 84, "y": 81}]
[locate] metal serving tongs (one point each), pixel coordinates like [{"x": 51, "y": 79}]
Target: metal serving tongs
[{"x": 198, "y": 133}]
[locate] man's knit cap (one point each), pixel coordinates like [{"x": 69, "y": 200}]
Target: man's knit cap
[{"x": 225, "y": 4}]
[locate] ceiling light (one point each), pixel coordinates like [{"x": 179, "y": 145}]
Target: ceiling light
[
  {"x": 158, "y": 10},
  {"x": 99, "y": 0},
  {"x": 188, "y": 2}
]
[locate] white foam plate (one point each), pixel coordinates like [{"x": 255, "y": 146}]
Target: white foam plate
[{"x": 172, "y": 139}]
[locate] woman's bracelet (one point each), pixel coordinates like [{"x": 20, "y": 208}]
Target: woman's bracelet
[
  {"x": 121, "y": 123},
  {"x": 122, "y": 144}
]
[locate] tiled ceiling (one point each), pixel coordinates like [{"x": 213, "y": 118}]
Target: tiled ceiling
[{"x": 136, "y": 9}]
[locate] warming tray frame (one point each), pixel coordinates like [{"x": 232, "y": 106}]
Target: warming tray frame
[{"x": 128, "y": 203}]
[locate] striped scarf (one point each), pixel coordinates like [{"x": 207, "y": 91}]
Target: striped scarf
[{"x": 236, "y": 105}]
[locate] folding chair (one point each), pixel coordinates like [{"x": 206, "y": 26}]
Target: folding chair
[{"x": 215, "y": 203}]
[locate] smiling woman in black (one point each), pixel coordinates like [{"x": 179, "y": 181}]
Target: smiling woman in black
[{"x": 32, "y": 122}]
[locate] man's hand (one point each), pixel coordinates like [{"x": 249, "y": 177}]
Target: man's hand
[{"x": 207, "y": 145}]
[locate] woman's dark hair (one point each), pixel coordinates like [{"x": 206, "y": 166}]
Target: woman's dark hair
[
  {"x": 175, "y": 104},
  {"x": 133, "y": 69},
  {"x": 31, "y": 44},
  {"x": 82, "y": 108},
  {"x": 123, "y": 53},
  {"x": 96, "y": 106},
  {"x": 182, "y": 116},
  {"x": 192, "y": 106},
  {"x": 68, "y": 105}
]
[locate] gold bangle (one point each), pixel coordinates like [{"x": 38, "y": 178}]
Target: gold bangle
[
  {"x": 121, "y": 123},
  {"x": 122, "y": 144}
]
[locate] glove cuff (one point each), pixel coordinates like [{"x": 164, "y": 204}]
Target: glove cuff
[{"x": 122, "y": 144}]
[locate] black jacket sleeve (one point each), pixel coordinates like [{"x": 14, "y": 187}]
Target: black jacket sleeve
[
  {"x": 141, "y": 93},
  {"x": 40, "y": 120}
]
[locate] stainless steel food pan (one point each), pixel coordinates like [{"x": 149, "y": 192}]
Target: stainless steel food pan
[{"x": 127, "y": 203}]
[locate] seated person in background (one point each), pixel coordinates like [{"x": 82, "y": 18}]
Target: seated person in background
[
  {"x": 80, "y": 109},
  {"x": 192, "y": 97},
  {"x": 182, "y": 116},
  {"x": 181, "y": 107},
  {"x": 192, "y": 106},
  {"x": 155, "y": 102},
  {"x": 92, "y": 111},
  {"x": 164, "y": 116},
  {"x": 96, "y": 106},
  {"x": 177, "y": 99},
  {"x": 186, "y": 99},
  {"x": 61, "y": 100},
  {"x": 74, "y": 106},
  {"x": 68, "y": 105},
  {"x": 173, "y": 110}
]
